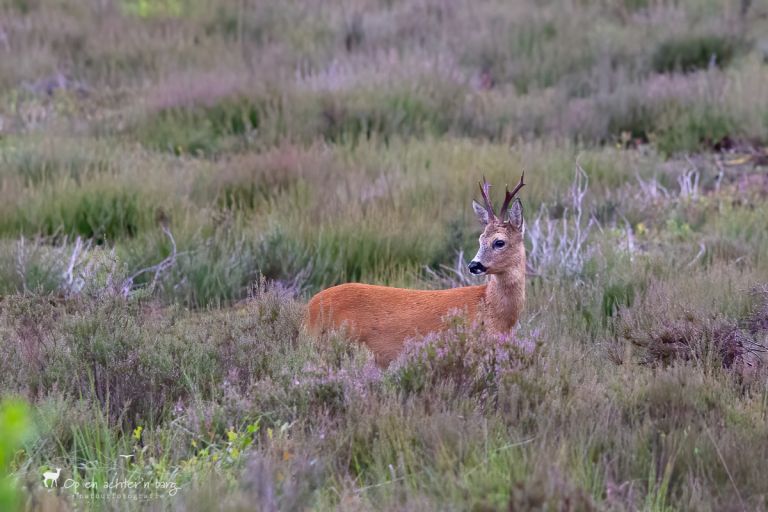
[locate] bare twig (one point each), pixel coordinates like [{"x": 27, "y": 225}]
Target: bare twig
[
  {"x": 689, "y": 182},
  {"x": 72, "y": 282},
  {"x": 127, "y": 288},
  {"x": 562, "y": 244},
  {"x": 652, "y": 189},
  {"x": 631, "y": 246},
  {"x": 702, "y": 251}
]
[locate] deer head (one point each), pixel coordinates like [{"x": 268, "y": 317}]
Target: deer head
[{"x": 501, "y": 244}]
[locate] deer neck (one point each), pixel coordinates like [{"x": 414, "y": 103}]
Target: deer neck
[{"x": 504, "y": 298}]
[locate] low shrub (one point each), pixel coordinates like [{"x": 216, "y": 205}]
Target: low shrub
[
  {"x": 668, "y": 333},
  {"x": 398, "y": 113},
  {"x": 464, "y": 357},
  {"x": 99, "y": 214},
  {"x": 757, "y": 321},
  {"x": 134, "y": 358},
  {"x": 693, "y": 129},
  {"x": 692, "y": 53},
  {"x": 201, "y": 129}
]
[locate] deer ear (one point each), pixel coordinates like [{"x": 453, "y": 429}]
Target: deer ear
[
  {"x": 481, "y": 212},
  {"x": 515, "y": 213}
]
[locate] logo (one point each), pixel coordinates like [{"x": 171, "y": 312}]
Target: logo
[
  {"x": 110, "y": 488},
  {"x": 53, "y": 477}
]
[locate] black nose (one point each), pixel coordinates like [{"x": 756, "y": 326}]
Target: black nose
[{"x": 475, "y": 267}]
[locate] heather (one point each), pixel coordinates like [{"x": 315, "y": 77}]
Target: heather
[{"x": 178, "y": 177}]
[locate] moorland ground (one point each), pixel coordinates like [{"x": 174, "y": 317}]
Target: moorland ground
[{"x": 178, "y": 176}]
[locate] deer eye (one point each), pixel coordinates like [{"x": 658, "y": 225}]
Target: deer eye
[{"x": 498, "y": 244}]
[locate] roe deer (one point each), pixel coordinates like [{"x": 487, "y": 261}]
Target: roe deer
[{"x": 383, "y": 318}]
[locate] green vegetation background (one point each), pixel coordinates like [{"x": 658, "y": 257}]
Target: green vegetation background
[{"x": 246, "y": 154}]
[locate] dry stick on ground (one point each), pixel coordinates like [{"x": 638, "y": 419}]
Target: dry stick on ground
[
  {"x": 753, "y": 347},
  {"x": 127, "y": 287}
]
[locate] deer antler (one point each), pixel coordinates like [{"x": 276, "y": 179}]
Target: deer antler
[
  {"x": 484, "y": 189},
  {"x": 511, "y": 195}
]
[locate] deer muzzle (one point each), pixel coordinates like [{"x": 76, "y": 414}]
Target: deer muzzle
[{"x": 476, "y": 268}]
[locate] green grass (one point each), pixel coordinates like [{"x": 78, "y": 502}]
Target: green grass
[
  {"x": 265, "y": 152},
  {"x": 693, "y": 53}
]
